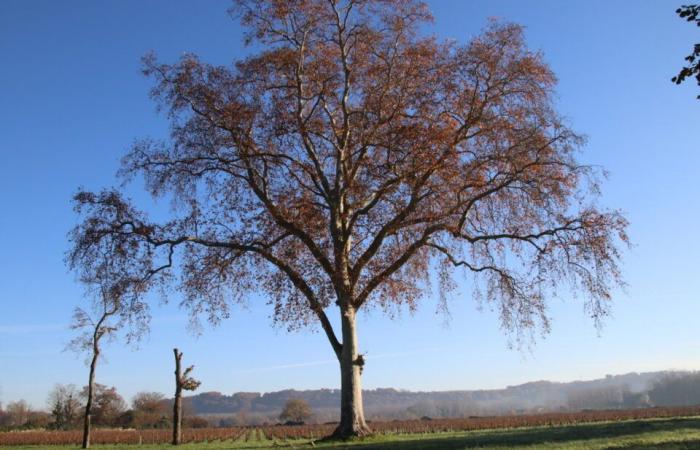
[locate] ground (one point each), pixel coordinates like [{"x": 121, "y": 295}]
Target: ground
[{"x": 662, "y": 434}]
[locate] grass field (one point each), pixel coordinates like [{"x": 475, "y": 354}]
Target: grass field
[{"x": 662, "y": 434}]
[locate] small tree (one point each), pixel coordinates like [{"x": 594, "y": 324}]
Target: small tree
[
  {"x": 114, "y": 304},
  {"x": 691, "y": 13},
  {"x": 18, "y": 413},
  {"x": 296, "y": 410},
  {"x": 183, "y": 381},
  {"x": 4, "y": 418},
  {"x": 65, "y": 405},
  {"x": 150, "y": 410},
  {"x": 93, "y": 328},
  {"x": 107, "y": 406},
  {"x": 149, "y": 402}
]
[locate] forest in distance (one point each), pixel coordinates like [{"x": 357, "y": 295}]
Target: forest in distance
[
  {"x": 149, "y": 410},
  {"x": 632, "y": 390}
]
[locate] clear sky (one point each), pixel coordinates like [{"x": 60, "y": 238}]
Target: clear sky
[{"x": 72, "y": 100}]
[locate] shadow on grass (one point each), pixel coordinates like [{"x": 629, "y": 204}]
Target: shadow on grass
[
  {"x": 692, "y": 444},
  {"x": 553, "y": 435}
]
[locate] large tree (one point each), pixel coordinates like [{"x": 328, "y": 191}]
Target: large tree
[{"x": 347, "y": 162}]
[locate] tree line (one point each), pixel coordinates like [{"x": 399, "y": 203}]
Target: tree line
[
  {"x": 674, "y": 389},
  {"x": 66, "y": 404}
]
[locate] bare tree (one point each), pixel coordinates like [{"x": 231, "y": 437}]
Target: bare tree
[
  {"x": 107, "y": 290},
  {"x": 64, "y": 404},
  {"x": 93, "y": 330},
  {"x": 18, "y": 413},
  {"x": 346, "y": 162},
  {"x": 183, "y": 381},
  {"x": 4, "y": 417}
]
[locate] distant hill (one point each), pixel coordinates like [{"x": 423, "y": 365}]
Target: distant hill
[{"x": 613, "y": 391}]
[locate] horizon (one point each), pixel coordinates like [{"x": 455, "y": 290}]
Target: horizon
[
  {"x": 74, "y": 100},
  {"x": 604, "y": 377},
  {"x": 168, "y": 396}
]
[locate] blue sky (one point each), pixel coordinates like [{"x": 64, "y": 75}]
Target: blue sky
[{"x": 72, "y": 100}]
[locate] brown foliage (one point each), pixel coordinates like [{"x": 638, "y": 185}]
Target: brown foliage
[
  {"x": 340, "y": 162},
  {"x": 296, "y": 410},
  {"x": 346, "y": 159},
  {"x": 150, "y": 410},
  {"x": 149, "y": 402},
  {"x": 108, "y": 405}
]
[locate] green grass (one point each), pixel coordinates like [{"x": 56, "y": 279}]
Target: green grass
[{"x": 661, "y": 434}]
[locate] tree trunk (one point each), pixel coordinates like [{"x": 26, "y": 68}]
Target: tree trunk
[
  {"x": 87, "y": 422},
  {"x": 177, "y": 405},
  {"x": 352, "y": 415}
]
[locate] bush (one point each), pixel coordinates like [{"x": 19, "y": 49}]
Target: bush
[{"x": 295, "y": 412}]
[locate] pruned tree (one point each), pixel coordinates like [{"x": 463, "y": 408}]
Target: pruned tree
[
  {"x": 349, "y": 160},
  {"x": 691, "y": 13},
  {"x": 183, "y": 381}
]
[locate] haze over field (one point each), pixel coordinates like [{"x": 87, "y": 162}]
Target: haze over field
[{"x": 632, "y": 390}]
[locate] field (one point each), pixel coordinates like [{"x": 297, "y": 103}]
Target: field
[{"x": 660, "y": 428}]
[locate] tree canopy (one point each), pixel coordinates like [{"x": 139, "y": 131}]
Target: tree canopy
[{"x": 346, "y": 163}]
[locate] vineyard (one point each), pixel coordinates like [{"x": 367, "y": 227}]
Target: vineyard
[{"x": 313, "y": 432}]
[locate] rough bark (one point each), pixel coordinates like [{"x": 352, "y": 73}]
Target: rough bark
[
  {"x": 177, "y": 405},
  {"x": 352, "y": 416}
]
